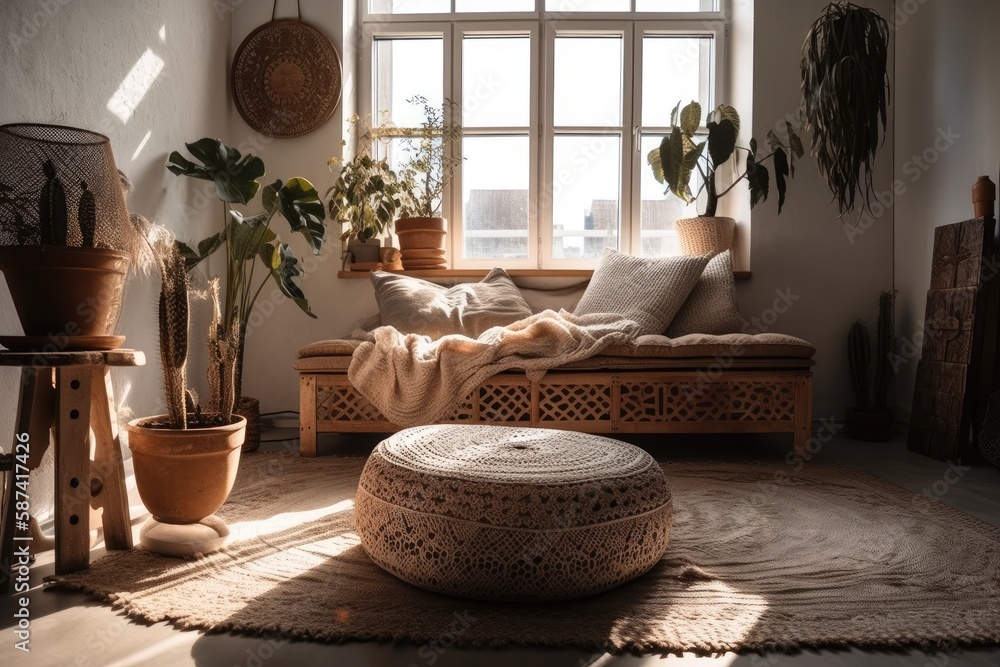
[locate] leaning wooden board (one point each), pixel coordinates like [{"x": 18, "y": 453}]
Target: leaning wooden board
[{"x": 956, "y": 360}]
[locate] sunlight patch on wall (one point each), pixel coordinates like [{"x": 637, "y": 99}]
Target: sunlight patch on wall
[
  {"x": 135, "y": 86},
  {"x": 163, "y": 32},
  {"x": 142, "y": 144}
]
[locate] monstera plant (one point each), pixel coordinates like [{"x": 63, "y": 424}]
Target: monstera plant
[{"x": 249, "y": 240}]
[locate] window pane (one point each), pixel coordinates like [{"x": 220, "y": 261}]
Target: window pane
[
  {"x": 496, "y": 81},
  {"x": 588, "y": 5},
  {"x": 405, "y": 68},
  {"x": 588, "y": 81},
  {"x": 586, "y": 192},
  {"x": 495, "y": 197},
  {"x": 677, "y": 5},
  {"x": 675, "y": 69},
  {"x": 408, "y": 6},
  {"x": 658, "y": 210},
  {"x": 495, "y": 6}
]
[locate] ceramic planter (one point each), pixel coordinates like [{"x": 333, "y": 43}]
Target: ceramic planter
[
  {"x": 184, "y": 476},
  {"x": 698, "y": 236},
  {"x": 65, "y": 290},
  {"x": 364, "y": 252}
]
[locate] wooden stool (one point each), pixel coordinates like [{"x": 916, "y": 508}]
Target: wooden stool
[{"x": 72, "y": 391}]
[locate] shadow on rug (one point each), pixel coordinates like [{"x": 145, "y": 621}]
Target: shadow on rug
[{"x": 761, "y": 557}]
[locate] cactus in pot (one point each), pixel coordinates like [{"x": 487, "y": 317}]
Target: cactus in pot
[
  {"x": 872, "y": 418},
  {"x": 186, "y": 460}
]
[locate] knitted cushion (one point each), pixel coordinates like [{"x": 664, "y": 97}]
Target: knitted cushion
[
  {"x": 499, "y": 513},
  {"x": 412, "y": 305},
  {"x": 648, "y": 291},
  {"x": 711, "y": 307}
]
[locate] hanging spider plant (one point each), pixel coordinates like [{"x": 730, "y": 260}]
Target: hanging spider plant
[{"x": 845, "y": 95}]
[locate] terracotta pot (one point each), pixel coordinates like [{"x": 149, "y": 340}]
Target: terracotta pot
[
  {"x": 984, "y": 195},
  {"x": 65, "y": 290},
  {"x": 249, "y": 407},
  {"x": 869, "y": 425},
  {"x": 184, "y": 476},
  {"x": 421, "y": 233},
  {"x": 698, "y": 236}
]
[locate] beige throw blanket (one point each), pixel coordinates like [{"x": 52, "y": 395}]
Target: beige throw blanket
[{"x": 414, "y": 380}]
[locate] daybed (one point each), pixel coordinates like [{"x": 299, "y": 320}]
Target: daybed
[{"x": 695, "y": 383}]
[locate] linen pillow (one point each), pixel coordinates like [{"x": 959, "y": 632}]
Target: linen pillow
[
  {"x": 648, "y": 291},
  {"x": 711, "y": 307},
  {"x": 412, "y": 305}
]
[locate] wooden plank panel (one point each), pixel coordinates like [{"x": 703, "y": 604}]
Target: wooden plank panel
[
  {"x": 72, "y": 483},
  {"x": 108, "y": 470}
]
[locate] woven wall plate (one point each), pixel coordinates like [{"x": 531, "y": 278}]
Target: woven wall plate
[{"x": 286, "y": 78}]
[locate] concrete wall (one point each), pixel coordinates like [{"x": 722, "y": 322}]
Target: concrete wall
[
  {"x": 949, "y": 84},
  {"x": 833, "y": 276}
]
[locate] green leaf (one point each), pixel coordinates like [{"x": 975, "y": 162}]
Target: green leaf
[
  {"x": 206, "y": 247},
  {"x": 780, "y": 175},
  {"x": 757, "y": 176},
  {"x": 234, "y": 175},
  {"x": 284, "y": 268},
  {"x": 676, "y": 170},
  {"x": 248, "y": 235},
  {"x": 298, "y": 202},
  {"x": 726, "y": 112},
  {"x": 656, "y": 165},
  {"x": 721, "y": 141},
  {"x": 690, "y": 119}
]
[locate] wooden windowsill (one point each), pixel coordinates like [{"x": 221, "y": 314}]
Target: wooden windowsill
[{"x": 583, "y": 274}]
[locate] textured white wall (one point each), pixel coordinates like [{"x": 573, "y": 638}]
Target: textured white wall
[
  {"x": 63, "y": 60},
  {"x": 805, "y": 250},
  {"x": 279, "y": 329},
  {"x": 949, "y": 85}
]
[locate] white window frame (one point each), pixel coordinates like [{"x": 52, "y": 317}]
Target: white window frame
[{"x": 543, "y": 27}]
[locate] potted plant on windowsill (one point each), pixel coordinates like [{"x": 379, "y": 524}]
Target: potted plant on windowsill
[
  {"x": 249, "y": 240},
  {"x": 365, "y": 198},
  {"x": 426, "y": 174},
  {"x": 868, "y": 421},
  {"x": 186, "y": 461},
  {"x": 680, "y": 156}
]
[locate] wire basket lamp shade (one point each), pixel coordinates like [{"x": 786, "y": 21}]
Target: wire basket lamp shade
[{"x": 60, "y": 186}]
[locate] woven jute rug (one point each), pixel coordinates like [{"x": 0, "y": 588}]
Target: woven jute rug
[{"x": 761, "y": 557}]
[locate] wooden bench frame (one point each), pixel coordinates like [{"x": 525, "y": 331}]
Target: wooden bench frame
[{"x": 618, "y": 401}]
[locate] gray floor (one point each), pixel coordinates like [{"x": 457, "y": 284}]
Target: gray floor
[{"x": 69, "y": 629}]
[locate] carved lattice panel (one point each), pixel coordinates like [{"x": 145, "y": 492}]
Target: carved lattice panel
[
  {"x": 645, "y": 402},
  {"x": 574, "y": 402},
  {"x": 464, "y": 412},
  {"x": 505, "y": 403},
  {"x": 344, "y": 404}
]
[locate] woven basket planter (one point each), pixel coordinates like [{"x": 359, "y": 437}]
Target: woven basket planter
[{"x": 702, "y": 235}]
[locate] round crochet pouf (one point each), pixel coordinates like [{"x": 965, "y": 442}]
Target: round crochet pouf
[{"x": 500, "y": 513}]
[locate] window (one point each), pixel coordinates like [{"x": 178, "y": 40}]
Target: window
[{"x": 559, "y": 102}]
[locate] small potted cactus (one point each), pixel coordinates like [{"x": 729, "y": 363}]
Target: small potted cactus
[
  {"x": 186, "y": 460},
  {"x": 872, "y": 418}
]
